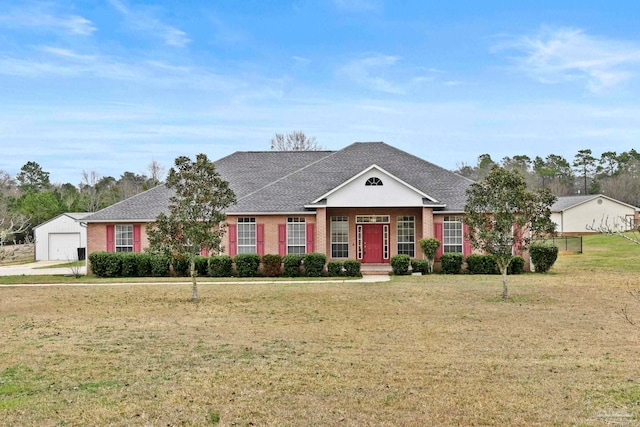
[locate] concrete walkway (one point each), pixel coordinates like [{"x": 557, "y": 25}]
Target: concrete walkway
[{"x": 38, "y": 268}]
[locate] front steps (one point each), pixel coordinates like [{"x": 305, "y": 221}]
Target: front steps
[{"x": 375, "y": 269}]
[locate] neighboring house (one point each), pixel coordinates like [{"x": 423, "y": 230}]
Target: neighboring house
[
  {"x": 368, "y": 201},
  {"x": 60, "y": 238},
  {"x": 573, "y": 214}
]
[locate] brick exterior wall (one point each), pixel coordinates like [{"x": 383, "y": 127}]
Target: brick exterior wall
[
  {"x": 97, "y": 238},
  {"x": 424, "y": 227},
  {"x": 270, "y": 223}
]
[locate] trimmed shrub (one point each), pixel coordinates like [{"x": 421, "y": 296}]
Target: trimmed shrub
[
  {"x": 400, "y": 264},
  {"x": 113, "y": 264},
  {"x": 451, "y": 263},
  {"x": 481, "y": 264},
  {"x": 202, "y": 266},
  {"x": 314, "y": 264},
  {"x": 247, "y": 264},
  {"x": 272, "y": 265},
  {"x": 543, "y": 257},
  {"x": 352, "y": 268},
  {"x": 486, "y": 264},
  {"x": 420, "y": 266},
  {"x": 334, "y": 268},
  {"x": 220, "y": 266},
  {"x": 129, "y": 264},
  {"x": 429, "y": 248},
  {"x": 96, "y": 263},
  {"x": 143, "y": 265},
  {"x": 159, "y": 265},
  {"x": 516, "y": 266},
  {"x": 292, "y": 264},
  {"x": 180, "y": 265}
]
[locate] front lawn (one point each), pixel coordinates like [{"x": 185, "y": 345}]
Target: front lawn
[{"x": 432, "y": 350}]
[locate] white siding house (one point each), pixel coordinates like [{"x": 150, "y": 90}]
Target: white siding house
[
  {"x": 573, "y": 214},
  {"x": 59, "y": 238}
]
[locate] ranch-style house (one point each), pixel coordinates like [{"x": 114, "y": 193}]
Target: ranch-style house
[{"x": 368, "y": 201}]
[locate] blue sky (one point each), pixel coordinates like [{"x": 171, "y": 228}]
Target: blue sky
[{"x": 109, "y": 86}]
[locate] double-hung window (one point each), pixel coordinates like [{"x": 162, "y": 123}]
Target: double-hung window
[
  {"x": 339, "y": 237},
  {"x": 406, "y": 227},
  {"x": 124, "y": 238},
  {"x": 452, "y": 234},
  {"x": 247, "y": 235},
  {"x": 296, "y": 235}
]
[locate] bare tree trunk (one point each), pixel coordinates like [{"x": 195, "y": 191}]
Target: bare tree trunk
[
  {"x": 194, "y": 292},
  {"x": 505, "y": 291},
  {"x": 503, "y": 266}
]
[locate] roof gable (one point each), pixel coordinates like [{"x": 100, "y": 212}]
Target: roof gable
[{"x": 384, "y": 189}]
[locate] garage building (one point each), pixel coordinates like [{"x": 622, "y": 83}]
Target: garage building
[{"x": 60, "y": 238}]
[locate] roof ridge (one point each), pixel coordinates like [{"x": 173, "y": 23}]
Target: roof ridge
[{"x": 331, "y": 153}]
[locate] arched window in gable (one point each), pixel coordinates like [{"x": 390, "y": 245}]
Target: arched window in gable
[{"x": 374, "y": 180}]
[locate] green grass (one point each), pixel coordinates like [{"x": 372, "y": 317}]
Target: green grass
[
  {"x": 63, "y": 265},
  {"x": 604, "y": 253}
]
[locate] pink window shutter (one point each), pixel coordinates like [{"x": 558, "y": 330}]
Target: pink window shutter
[
  {"x": 137, "y": 247},
  {"x": 282, "y": 239},
  {"x": 233, "y": 244},
  {"x": 260, "y": 239},
  {"x": 439, "y": 233},
  {"x": 311, "y": 236},
  {"x": 111, "y": 244},
  {"x": 204, "y": 251},
  {"x": 467, "y": 248}
]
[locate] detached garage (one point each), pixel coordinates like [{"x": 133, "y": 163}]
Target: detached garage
[
  {"x": 59, "y": 238},
  {"x": 573, "y": 214}
]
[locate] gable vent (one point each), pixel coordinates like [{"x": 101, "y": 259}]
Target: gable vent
[{"x": 373, "y": 181}]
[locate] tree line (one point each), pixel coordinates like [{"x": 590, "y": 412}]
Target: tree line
[
  {"x": 30, "y": 198},
  {"x": 613, "y": 174}
]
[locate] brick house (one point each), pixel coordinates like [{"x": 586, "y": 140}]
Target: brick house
[{"x": 368, "y": 201}]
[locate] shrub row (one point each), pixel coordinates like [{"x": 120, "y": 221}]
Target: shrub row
[
  {"x": 486, "y": 264},
  {"x": 128, "y": 264},
  {"x": 451, "y": 263}
]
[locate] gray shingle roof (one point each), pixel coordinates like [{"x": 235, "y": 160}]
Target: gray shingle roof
[
  {"x": 568, "y": 202},
  {"x": 286, "y": 181}
]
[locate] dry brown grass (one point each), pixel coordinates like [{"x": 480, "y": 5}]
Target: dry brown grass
[
  {"x": 437, "y": 350},
  {"x": 17, "y": 254}
]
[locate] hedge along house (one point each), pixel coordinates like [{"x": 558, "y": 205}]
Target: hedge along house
[{"x": 368, "y": 201}]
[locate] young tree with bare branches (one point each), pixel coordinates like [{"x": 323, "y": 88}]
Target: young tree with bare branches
[{"x": 294, "y": 141}]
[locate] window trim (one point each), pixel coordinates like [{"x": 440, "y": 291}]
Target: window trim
[
  {"x": 406, "y": 219},
  {"x": 119, "y": 245},
  {"x": 245, "y": 248},
  {"x": 302, "y": 243},
  {"x": 343, "y": 244},
  {"x": 452, "y": 220}
]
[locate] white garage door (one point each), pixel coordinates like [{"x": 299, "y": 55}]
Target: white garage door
[{"x": 64, "y": 246}]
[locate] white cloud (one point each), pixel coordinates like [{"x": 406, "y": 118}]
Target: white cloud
[
  {"x": 388, "y": 74},
  {"x": 43, "y": 17},
  {"x": 370, "y": 72},
  {"x": 555, "y": 55},
  {"x": 144, "y": 20}
]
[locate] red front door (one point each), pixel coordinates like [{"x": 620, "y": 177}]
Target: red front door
[{"x": 372, "y": 243}]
